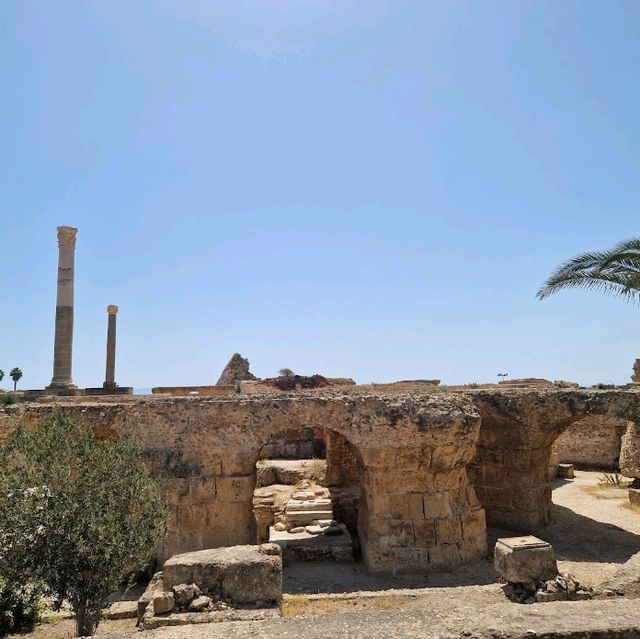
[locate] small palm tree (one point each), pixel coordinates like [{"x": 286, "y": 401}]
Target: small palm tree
[
  {"x": 616, "y": 271},
  {"x": 1, "y": 374},
  {"x": 15, "y": 375}
]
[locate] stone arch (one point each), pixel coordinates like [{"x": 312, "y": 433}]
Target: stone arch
[
  {"x": 518, "y": 429},
  {"x": 420, "y": 512}
]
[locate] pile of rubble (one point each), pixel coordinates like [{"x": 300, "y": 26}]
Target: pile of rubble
[{"x": 561, "y": 588}]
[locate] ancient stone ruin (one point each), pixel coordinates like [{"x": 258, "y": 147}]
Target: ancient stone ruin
[{"x": 236, "y": 370}]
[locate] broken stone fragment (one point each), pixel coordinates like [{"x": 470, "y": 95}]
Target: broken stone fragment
[
  {"x": 184, "y": 593},
  {"x": 199, "y": 603},
  {"x": 280, "y": 527},
  {"x": 236, "y": 370},
  {"x": 297, "y": 529},
  {"x": 314, "y": 530},
  {"x": 163, "y": 602}
]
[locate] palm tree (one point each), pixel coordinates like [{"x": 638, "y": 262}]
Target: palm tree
[
  {"x": 1, "y": 374},
  {"x": 15, "y": 375},
  {"x": 616, "y": 271}
]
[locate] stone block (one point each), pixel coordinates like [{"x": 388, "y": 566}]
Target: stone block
[
  {"x": 566, "y": 471},
  {"x": 231, "y": 489},
  {"x": 448, "y": 531},
  {"x": 163, "y": 602},
  {"x": 425, "y": 534},
  {"x": 243, "y": 574},
  {"x": 474, "y": 525},
  {"x": 437, "y": 505},
  {"x": 634, "y": 496},
  {"x": 525, "y": 560}
]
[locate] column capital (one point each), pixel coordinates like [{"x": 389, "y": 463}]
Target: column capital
[
  {"x": 112, "y": 309},
  {"x": 67, "y": 236}
]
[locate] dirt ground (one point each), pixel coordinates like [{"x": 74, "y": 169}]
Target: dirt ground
[{"x": 593, "y": 532}]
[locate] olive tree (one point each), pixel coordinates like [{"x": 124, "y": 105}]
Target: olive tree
[{"x": 76, "y": 513}]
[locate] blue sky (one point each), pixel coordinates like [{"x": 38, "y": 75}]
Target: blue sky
[{"x": 366, "y": 188}]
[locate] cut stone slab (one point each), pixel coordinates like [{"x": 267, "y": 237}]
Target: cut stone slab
[
  {"x": 566, "y": 471},
  {"x": 634, "y": 496},
  {"x": 525, "y": 560},
  {"x": 242, "y": 574}
]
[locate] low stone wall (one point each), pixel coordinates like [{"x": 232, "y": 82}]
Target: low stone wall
[{"x": 592, "y": 442}]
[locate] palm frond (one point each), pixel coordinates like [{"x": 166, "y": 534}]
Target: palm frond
[{"x": 616, "y": 272}]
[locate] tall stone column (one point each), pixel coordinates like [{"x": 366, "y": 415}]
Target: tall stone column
[
  {"x": 63, "y": 344},
  {"x": 110, "y": 375}
]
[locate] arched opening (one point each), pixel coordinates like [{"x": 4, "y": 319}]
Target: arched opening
[
  {"x": 307, "y": 495},
  {"x": 592, "y": 442}
]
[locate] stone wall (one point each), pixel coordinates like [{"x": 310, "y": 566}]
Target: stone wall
[
  {"x": 418, "y": 511},
  {"x": 592, "y": 442},
  {"x": 424, "y": 467},
  {"x": 296, "y": 443},
  {"x": 518, "y": 429}
]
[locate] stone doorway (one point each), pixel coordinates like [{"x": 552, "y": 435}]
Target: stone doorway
[{"x": 307, "y": 495}]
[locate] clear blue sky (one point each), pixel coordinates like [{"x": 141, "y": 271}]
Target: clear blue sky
[{"x": 365, "y": 188}]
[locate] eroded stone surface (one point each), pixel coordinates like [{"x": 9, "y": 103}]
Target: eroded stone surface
[
  {"x": 525, "y": 560},
  {"x": 242, "y": 574},
  {"x": 236, "y": 370}
]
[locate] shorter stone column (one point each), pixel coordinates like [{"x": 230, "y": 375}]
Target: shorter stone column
[{"x": 110, "y": 374}]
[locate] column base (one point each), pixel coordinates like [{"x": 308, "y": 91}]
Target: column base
[{"x": 61, "y": 386}]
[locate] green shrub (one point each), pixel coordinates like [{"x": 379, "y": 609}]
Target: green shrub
[
  {"x": 6, "y": 399},
  {"x": 75, "y": 513},
  {"x": 20, "y": 608}
]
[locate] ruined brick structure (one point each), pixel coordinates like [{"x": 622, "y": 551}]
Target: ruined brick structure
[{"x": 428, "y": 464}]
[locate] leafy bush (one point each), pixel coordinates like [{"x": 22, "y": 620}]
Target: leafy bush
[
  {"x": 19, "y": 607},
  {"x": 6, "y": 399},
  {"x": 75, "y": 513}
]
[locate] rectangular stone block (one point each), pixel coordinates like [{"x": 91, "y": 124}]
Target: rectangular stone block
[
  {"x": 437, "y": 505},
  {"x": 525, "y": 559},
  {"x": 232, "y": 489},
  {"x": 448, "y": 531},
  {"x": 424, "y": 533},
  {"x": 243, "y": 574}
]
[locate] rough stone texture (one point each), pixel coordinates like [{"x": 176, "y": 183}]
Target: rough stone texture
[
  {"x": 634, "y": 496},
  {"x": 301, "y": 443},
  {"x": 242, "y": 574},
  {"x": 592, "y": 442},
  {"x": 566, "y": 471},
  {"x": 236, "y": 370},
  {"x": 630, "y": 452},
  {"x": 417, "y": 510},
  {"x": 415, "y": 454},
  {"x": 518, "y": 428},
  {"x": 163, "y": 602},
  {"x": 524, "y": 560},
  {"x": 626, "y": 581}
]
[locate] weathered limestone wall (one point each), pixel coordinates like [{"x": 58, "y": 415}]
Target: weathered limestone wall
[
  {"x": 592, "y": 442},
  {"x": 427, "y": 465},
  {"x": 302, "y": 443},
  {"x": 418, "y": 511},
  {"x": 519, "y": 427}
]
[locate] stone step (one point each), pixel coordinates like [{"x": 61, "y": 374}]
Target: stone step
[{"x": 307, "y": 517}]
